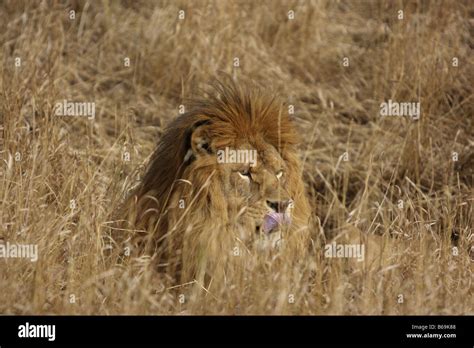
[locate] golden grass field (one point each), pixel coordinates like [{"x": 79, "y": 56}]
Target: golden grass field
[{"x": 404, "y": 186}]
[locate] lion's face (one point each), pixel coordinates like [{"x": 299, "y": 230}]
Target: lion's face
[{"x": 254, "y": 177}]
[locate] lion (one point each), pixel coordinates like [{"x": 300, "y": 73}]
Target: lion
[{"x": 225, "y": 180}]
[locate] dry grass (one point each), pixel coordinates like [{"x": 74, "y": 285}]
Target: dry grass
[{"x": 337, "y": 110}]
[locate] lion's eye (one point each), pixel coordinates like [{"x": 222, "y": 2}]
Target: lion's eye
[
  {"x": 279, "y": 174},
  {"x": 245, "y": 174}
]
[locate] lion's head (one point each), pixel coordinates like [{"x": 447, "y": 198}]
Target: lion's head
[{"x": 225, "y": 179}]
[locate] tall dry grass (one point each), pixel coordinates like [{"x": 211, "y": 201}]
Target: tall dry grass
[{"x": 360, "y": 168}]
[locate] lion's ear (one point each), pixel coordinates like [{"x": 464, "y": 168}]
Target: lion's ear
[{"x": 200, "y": 139}]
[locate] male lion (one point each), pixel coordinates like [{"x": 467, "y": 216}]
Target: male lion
[{"x": 224, "y": 181}]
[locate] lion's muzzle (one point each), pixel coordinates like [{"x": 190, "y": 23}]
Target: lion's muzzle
[{"x": 279, "y": 215}]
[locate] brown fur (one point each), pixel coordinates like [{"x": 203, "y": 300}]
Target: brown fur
[{"x": 204, "y": 237}]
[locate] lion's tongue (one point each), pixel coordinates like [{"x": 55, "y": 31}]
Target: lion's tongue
[{"x": 273, "y": 219}]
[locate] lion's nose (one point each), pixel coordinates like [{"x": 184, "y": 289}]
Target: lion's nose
[{"x": 279, "y": 206}]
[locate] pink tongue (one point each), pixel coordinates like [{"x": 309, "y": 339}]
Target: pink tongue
[{"x": 272, "y": 220}]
